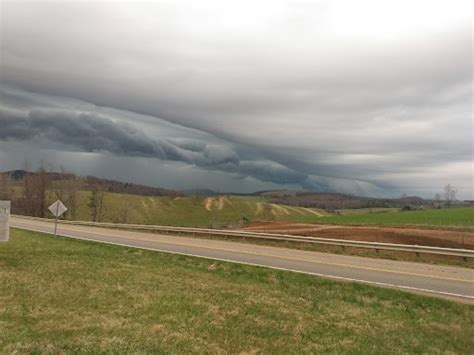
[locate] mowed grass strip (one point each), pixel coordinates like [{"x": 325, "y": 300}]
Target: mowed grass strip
[
  {"x": 449, "y": 217},
  {"x": 60, "y": 294}
]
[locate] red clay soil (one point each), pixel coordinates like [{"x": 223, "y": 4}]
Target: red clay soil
[{"x": 412, "y": 236}]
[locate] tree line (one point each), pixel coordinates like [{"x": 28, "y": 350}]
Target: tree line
[
  {"x": 33, "y": 192},
  {"x": 336, "y": 201}
]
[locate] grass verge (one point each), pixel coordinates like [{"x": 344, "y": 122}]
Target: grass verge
[{"x": 61, "y": 294}]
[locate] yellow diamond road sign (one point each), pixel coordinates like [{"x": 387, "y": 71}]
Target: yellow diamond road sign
[{"x": 57, "y": 208}]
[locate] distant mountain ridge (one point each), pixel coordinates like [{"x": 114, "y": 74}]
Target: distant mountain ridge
[
  {"x": 334, "y": 200},
  {"x": 301, "y": 198},
  {"x": 200, "y": 192},
  {"x": 96, "y": 183}
]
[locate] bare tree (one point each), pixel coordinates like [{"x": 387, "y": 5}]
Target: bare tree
[
  {"x": 35, "y": 193},
  {"x": 72, "y": 187},
  {"x": 96, "y": 203},
  {"x": 59, "y": 187},
  {"x": 30, "y": 198},
  {"x": 6, "y": 192},
  {"x": 66, "y": 189},
  {"x": 44, "y": 186},
  {"x": 450, "y": 194},
  {"x": 26, "y": 203},
  {"x": 437, "y": 200}
]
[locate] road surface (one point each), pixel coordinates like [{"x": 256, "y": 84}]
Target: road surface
[{"x": 436, "y": 280}]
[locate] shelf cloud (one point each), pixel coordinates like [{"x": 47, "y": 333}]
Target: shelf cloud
[{"x": 245, "y": 96}]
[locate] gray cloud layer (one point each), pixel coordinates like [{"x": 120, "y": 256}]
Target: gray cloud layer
[
  {"x": 91, "y": 132},
  {"x": 291, "y": 93},
  {"x": 69, "y": 125}
]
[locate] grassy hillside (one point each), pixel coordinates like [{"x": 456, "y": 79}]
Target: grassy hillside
[
  {"x": 62, "y": 295},
  {"x": 449, "y": 217},
  {"x": 187, "y": 211}
]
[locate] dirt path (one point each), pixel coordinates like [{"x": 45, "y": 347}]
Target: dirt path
[
  {"x": 319, "y": 214},
  {"x": 223, "y": 201},
  {"x": 296, "y": 210},
  {"x": 279, "y": 210},
  {"x": 208, "y": 203}
]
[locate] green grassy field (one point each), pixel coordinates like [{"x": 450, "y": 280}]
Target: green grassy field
[
  {"x": 63, "y": 295},
  {"x": 450, "y": 217},
  {"x": 367, "y": 210},
  {"x": 186, "y": 211}
]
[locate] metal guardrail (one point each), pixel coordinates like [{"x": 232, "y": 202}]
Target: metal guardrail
[{"x": 464, "y": 253}]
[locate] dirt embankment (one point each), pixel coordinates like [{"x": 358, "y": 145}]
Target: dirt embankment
[{"x": 412, "y": 236}]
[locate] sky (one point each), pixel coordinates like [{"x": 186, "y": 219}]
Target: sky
[{"x": 362, "y": 97}]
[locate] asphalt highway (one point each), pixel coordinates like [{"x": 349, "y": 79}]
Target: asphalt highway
[{"x": 436, "y": 280}]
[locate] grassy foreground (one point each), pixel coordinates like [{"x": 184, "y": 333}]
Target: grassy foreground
[
  {"x": 60, "y": 294},
  {"x": 449, "y": 217}
]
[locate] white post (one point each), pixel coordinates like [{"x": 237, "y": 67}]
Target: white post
[{"x": 4, "y": 221}]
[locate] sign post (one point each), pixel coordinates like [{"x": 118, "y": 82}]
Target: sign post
[
  {"x": 57, "y": 209},
  {"x": 4, "y": 221}
]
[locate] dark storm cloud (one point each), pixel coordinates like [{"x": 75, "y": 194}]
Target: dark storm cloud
[
  {"x": 92, "y": 131},
  {"x": 318, "y": 94},
  {"x": 85, "y": 131},
  {"x": 77, "y": 126}
]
